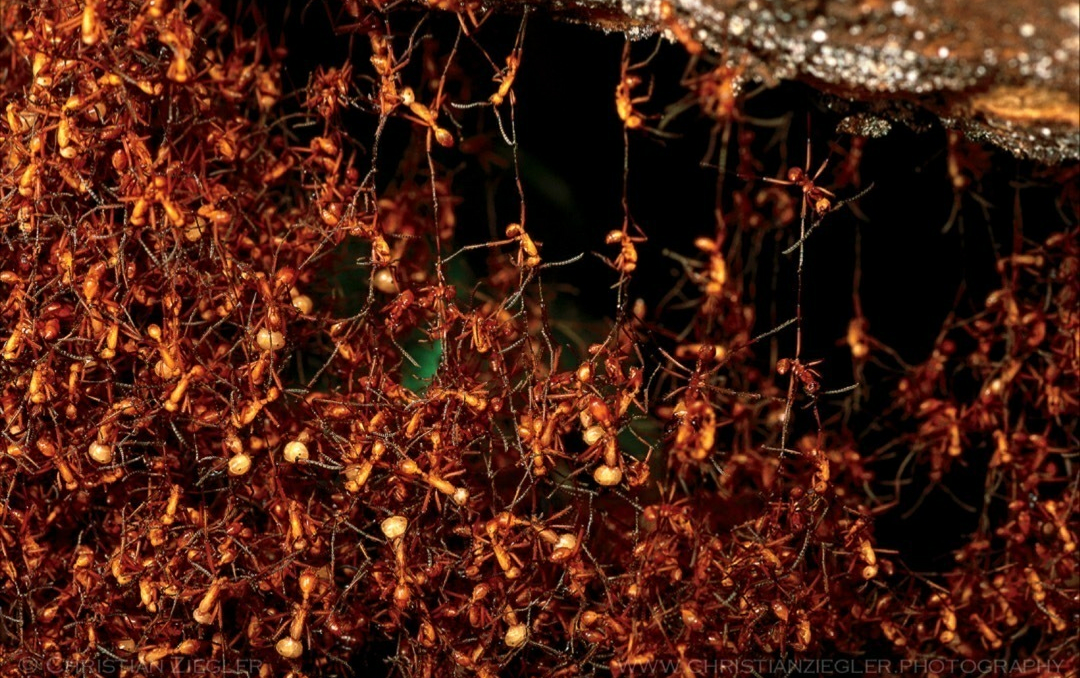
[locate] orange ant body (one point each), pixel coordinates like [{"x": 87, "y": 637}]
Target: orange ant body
[
  {"x": 627, "y": 260},
  {"x": 716, "y": 91},
  {"x": 427, "y": 116},
  {"x": 382, "y": 58},
  {"x": 624, "y": 98},
  {"x": 681, "y": 32},
  {"x": 505, "y": 78},
  {"x": 803, "y": 372},
  {"x": 814, "y": 197},
  {"x": 528, "y": 254}
]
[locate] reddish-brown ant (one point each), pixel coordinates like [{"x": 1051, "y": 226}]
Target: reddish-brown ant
[{"x": 817, "y": 201}]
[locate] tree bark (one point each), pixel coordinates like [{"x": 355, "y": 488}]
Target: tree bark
[{"x": 1003, "y": 71}]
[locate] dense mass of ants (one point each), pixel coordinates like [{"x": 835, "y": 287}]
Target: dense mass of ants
[{"x": 205, "y": 458}]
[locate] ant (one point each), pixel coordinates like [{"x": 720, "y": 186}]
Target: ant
[
  {"x": 625, "y": 100},
  {"x": 678, "y": 29},
  {"x": 816, "y": 199},
  {"x": 505, "y": 79},
  {"x": 814, "y": 196},
  {"x": 626, "y": 261},
  {"x": 427, "y": 116},
  {"x": 803, "y": 372}
]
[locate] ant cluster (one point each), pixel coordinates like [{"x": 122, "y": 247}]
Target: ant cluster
[{"x": 210, "y": 452}]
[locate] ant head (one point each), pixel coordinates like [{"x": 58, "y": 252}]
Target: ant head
[
  {"x": 708, "y": 353},
  {"x": 795, "y": 174}
]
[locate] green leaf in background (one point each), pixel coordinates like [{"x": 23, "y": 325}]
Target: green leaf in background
[{"x": 425, "y": 352}]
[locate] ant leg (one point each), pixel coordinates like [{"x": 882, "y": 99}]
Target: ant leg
[
  {"x": 807, "y": 166},
  {"x": 820, "y": 169}
]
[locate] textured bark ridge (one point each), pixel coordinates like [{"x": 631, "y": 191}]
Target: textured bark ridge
[{"x": 1003, "y": 71}]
